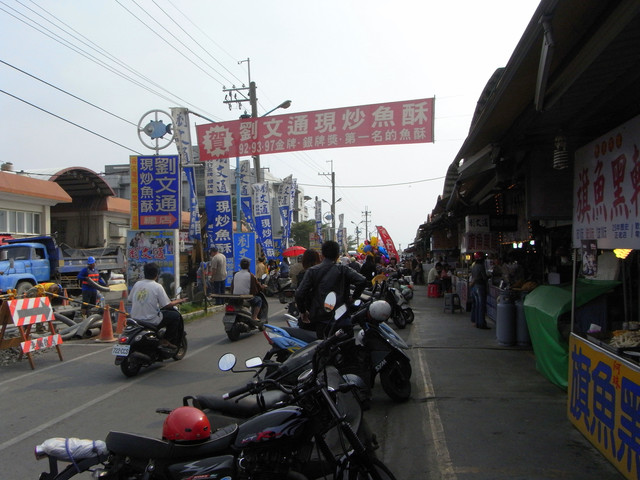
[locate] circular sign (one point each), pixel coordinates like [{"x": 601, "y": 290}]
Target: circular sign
[{"x": 152, "y": 127}]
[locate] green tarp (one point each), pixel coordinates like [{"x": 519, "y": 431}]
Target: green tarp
[{"x": 542, "y": 307}]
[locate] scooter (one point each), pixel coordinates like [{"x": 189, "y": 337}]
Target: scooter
[
  {"x": 139, "y": 345},
  {"x": 277, "y": 285},
  {"x": 238, "y": 317}
]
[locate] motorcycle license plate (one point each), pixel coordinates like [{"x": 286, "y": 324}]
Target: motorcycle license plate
[{"x": 120, "y": 350}]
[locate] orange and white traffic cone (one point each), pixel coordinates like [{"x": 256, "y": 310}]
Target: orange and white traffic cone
[
  {"x": 106, "y": 332},
  {"x": 122, "y": 319},
  {"x": 65, "y": 298}
]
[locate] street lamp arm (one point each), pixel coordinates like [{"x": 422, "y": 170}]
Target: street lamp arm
[{"x": 285, "y": 104}]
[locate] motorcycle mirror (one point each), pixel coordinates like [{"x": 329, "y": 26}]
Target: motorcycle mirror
[
  {"x": 330, "y": 301},
  {"x": 253, "y": 362},
  {"x": 227, "y": 362},
  {"x": 357, "y": 303},
  {"x": 340, "y": 311},
  {"x": 264, "y": 275}
]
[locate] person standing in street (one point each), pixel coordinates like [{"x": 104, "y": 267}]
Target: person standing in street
[
  {"x": 261, "y": 268},
  {"x": 218, "y": 273},
  {"x": 478, "y": 284},
  {"x": 321, "y": 279},
  {"x": 295, "y": 269},
  {"x": 89, "y": 277}
]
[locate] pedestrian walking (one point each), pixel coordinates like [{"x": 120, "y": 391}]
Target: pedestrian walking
[{"x": 218, "y": 273}]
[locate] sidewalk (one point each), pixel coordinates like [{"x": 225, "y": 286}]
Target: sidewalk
[{"x": 500, "y": 417}]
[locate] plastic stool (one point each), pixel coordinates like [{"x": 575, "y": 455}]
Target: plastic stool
[
  {"x": 433, "y": 291},
  {"x": 452, "y": 302}
]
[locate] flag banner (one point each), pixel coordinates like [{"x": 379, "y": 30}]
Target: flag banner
[
  {"x": 340, "y": 233},
  {"x": 284, "y": 205},
  {"x": 319, "y": 219},
  {"x": 262, "y": 218},
  {"x": 194, "y": 220},
  {"x": 292, "y": 201},
  {"x": 246, "y": 193},
  {"x": 391, "y": 123},
  {"x": 278, "y": 247},
  {"x": 244, "y": 246},
  {"x": 155, "y": 192},
  {"x": 388, "y": 243},
  {"x": 217, "y": 187}
]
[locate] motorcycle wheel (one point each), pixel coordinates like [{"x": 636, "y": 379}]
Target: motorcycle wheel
[
  {"x": 234, "y": 332},
  {"x": 282, "y": 298},
  {"x": 399, "y": 320},
  {"x": 408, "y": 315},
  {"x": 182, "y": 349},
  {"x": 130, "y": 367},
  {"x": 395, "y": 379},
  {"x": 357, "y": 470}
]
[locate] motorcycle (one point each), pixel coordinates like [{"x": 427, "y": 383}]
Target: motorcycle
[
  {"x": 311, "y": 437},
  {"x": 280, "y": 286},
  {"x": 140, "y": 345},
  {"x": 238, "y": 317}
]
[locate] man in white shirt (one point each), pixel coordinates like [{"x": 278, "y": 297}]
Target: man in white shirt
[
  {"x": 245, "y": 283},
  {"x": 151, "y": 303}
]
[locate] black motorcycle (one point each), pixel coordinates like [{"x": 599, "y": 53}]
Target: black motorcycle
[
  {"x": 238, "y": 316},
  {"x": 140, "y": 345},
  {"x": 308, "y": 438}
]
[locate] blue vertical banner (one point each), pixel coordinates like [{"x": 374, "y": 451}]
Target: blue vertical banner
[
  {"x": 278, "y": 247},
  {"x": 155, "y": 192},
  {"x": 284, "y": 206},
  {"x": 262, "y": 218},
  {"x": 246, "y": 193},
  {"x": 217, "y": 174},
  {"x": 194, "y": 221},
  {"x": 319, "y": 219},
  {"x": 244, "y": 245}
]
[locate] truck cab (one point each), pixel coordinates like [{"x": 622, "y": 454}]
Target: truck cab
[{"x": 22, "y": 265}]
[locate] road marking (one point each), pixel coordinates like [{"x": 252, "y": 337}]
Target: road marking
[{"x": 85, "y": 406}]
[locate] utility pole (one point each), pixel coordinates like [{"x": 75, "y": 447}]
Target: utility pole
[
  {"x": 239, "y": 95},
  {"x": 366, "y": 214},
  {"x": 333, "y": 199}
]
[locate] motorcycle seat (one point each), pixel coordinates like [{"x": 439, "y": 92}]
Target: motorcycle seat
[
  {"x": 306, "y": 336},
  {"x": 146, "y": 324},
  {"x": 140, "y": 446},
  {"x": 243, "y": 408}
]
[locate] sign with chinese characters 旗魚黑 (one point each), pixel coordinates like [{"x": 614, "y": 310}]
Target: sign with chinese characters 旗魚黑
[
  {"x": 155, "y": 192},
  {"x": 391, "y": 123},
  {"x": 606, "y": 189},
  {"x": 604, "y": 403}
]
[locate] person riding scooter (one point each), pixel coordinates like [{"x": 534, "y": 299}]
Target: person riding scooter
[
  {"x": 151, "y": 303},
  {"x": 245, "y": 283}
]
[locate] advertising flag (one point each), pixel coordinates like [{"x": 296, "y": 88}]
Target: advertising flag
[
  {"x": 387, "y": 242},
  {"x": 262, "y": 218},
  {"x": 246, "y": 192},
  {"x": 319, "y": 219},
  {"x": 218, "y": 206},
  {"x": 155, "y": 192},
  {"x": 284, "y": 205}
]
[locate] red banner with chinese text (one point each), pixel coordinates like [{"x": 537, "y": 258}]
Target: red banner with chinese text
[
  {"x": 387, "y": 242},
  {"x": 380, "y": 124}
]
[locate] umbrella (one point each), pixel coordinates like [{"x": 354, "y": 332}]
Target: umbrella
[{"x": 293, "y": 251}]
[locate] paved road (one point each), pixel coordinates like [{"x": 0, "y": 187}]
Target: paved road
[{"x": 478, "y": 411}]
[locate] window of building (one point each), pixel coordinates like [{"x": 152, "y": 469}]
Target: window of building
[{"x": 13, "y": 221}]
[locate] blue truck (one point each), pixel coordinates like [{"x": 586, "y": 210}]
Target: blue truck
[{"x": 25, "y": 262}]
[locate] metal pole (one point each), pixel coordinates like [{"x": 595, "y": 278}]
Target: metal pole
[
  {"x": 333, "y": 204},
  {"x": 253, "y": 100}
]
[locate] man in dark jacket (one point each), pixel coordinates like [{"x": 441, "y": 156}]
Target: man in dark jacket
[{"x": 319, "y": 280}]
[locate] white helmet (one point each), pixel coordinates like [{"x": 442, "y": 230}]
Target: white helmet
[{"x": 379, "y": 311}]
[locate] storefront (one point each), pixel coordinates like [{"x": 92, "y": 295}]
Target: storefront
[{"x": 604, "y": 362}]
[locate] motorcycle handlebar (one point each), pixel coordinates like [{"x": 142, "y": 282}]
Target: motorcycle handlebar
[{"x": 238, "y": 391}]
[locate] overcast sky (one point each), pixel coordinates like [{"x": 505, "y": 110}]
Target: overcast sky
[{"x": 120, "y": 59}]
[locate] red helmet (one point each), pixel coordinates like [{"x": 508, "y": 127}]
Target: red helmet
[
  {"x": 478, "y": 255},
  {"x": 186, "y": 424}
]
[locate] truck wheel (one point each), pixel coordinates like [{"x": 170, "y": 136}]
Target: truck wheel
[{"x": 22, "y": 288}]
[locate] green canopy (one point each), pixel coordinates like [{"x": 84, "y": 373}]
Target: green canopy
[{"x": 542, "y": 307}]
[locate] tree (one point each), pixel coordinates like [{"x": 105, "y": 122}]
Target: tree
[{"x": 300, "y": 232}]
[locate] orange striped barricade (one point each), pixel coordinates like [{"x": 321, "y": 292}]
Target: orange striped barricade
[{"x": 24, "y": 314}]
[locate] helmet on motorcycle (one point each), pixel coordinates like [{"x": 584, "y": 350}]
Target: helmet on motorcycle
[
  {"x": 91, "y": 261},
  {"x": 379, "y": 311},
  {"x": 186, "y": 424},
  {"x": 407, "y": 293}
]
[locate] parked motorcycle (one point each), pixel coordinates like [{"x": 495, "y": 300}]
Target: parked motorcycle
[
  {"x": 238, "y": 316},
  {"x": 139, "y": 345},
  {"x": 309, "y": 438},
  {"x": 280, "y": 286}
]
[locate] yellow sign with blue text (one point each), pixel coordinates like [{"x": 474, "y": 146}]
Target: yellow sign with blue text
[{"x": 604, "y": 403}]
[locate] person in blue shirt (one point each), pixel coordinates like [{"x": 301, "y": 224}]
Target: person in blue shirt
[{"x": 89, "y": 277}]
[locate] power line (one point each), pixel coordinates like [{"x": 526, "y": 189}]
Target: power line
[
  {"x": 376, "y": 186},
  {"x": 70, "y": 122}
]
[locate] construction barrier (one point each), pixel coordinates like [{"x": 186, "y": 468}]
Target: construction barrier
[{"x": 24, "y": 314}]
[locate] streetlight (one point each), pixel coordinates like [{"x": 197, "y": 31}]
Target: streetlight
[
  {"x": 357, "y": 231},
  {"x": 254, "y": 113},
  {"x": 333, "y": 216}
]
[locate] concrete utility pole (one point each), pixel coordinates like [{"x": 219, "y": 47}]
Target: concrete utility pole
[
  {"x": 332, "y": 174},
  {"x": 366, "y": 222}
]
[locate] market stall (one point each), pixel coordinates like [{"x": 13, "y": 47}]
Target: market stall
[{"x": 604, "y": 362}]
